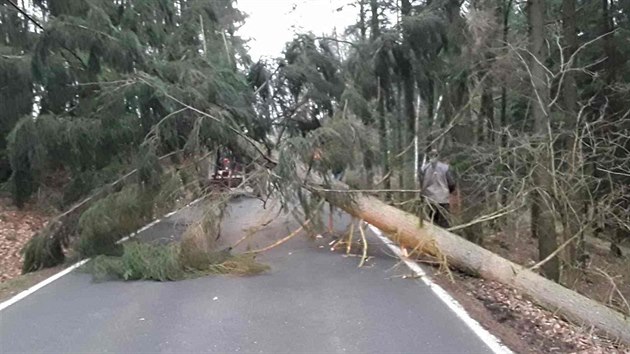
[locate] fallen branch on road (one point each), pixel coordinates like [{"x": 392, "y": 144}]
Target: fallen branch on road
[
  {"x": 282, "y": 240},
  {"x": 365, "y": 245},
  {"x": 251, "y": 232}
]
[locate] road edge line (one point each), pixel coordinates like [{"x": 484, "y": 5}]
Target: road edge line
[
  {"x": 486, "y": 337},
  {"x": 41, "y": 284}
]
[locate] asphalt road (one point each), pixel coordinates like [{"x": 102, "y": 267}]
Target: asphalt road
[{"x": 313, "y": 300}]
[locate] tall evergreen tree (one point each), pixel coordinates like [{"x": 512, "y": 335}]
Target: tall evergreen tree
[
  {"x": 106, "y": 68},
  {"x": 16, "y": 80}
]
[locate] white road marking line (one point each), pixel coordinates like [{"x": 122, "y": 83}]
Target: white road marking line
[
  {"x": 152, "y": 223},
  {"x": 40, "y": 285},
  {"x": 51, "y": 279},
  {"x": 489, "y": 339}
]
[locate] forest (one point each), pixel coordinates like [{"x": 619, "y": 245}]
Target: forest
[{"x": 109, "y": 111}]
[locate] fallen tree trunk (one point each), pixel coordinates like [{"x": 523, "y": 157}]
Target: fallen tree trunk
[
  {"x": 605, "y": 246},
  {"x": 405, "y": 229}
]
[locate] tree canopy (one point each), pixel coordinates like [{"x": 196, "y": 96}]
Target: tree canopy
[{"x": 526, "y": 100}]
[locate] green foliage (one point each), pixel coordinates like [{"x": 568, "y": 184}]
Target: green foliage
[
  {"x": 113, "y": 217},
  {"x": 426, "y": 33},
  {"x": 357, "y": 103},
  {"x": 172, "y": 194},
  {"x": 23, "y": 155},
  {"x": 85, "y": 182},
  {"x": 16, "y": 80},
  {"x": 101, "y": 223},
  {"x": 113, "y": 78},
  {"x": 311, "y": 72},
  {"x": 42, "y": 251},
  {"x": 84, "y": 147},
  {"x": 142, "y": 261},
  {"x": 16, "y": 95},
  {"x": 341, "y": 141},
  {"x": 103, "y": 82}
]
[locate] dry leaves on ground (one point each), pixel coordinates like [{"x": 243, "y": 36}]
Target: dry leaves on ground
[
  {"x": 537, "y": 326},
  {"x": 16, "y": 228}
]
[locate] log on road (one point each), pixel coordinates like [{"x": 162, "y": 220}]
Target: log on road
[{"x": 405, "y": 229}]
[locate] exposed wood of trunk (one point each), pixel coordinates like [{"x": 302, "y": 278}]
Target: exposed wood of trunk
[{"x": 405, "y": 229}]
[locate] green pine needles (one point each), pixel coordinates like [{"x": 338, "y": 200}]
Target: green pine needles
[{"x": 142, "y": 261}]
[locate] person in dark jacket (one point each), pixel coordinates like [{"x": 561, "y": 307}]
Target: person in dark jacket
[{"x": 438, "y": 184}]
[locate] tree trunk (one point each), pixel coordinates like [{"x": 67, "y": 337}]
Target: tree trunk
[
  {"x": 384, "y": 143},
  {"x": 375, "y": 33},
  {"x": 610, "y": 63},
  {"x": 487, "y": 122},
  {"x": 408, "y": 96},
  {"x": 405, "y": 229},
  {"x": 570, "y": 97},
  {"x": 400, "y": 126},
  {"x": 362, "y": 27},
  {"x": 506, "y": 28},
  {"x": 487, "y": 111},
  {"x": 374, "y": 25},
  {"x": 543, "y": 226},
  {"x": 507, "y": 10}
]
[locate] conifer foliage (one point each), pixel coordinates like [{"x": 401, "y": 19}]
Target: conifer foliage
[
  {"x": 502, "y": 88},
  {"x": 94, "y": 89}
]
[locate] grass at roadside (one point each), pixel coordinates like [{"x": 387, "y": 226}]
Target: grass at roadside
[{"x": 22, "y": 282}]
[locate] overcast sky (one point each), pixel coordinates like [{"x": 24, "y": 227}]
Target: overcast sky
[{"x": 272, "y": 23}]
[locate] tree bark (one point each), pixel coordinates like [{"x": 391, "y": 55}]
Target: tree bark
[
  {"x": 384, "y": 142},
  {"x": 405, "y": 229},
  {"x": 368, "y": 157},
  {"x": 610, "y": 63},
  {"x": 507, "y": 9},
  {"x": 543, "y": 226},
  {"x": 487, "y": 111},
  {"x": 400, "y": 126},
  {"x": 374, "y": 25},
  {"x": 406, "y": 71},
  {"x": 362, "y": 26},
  {"x": 487, "y": 126},
  {"x": 570, "y": 96}
]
